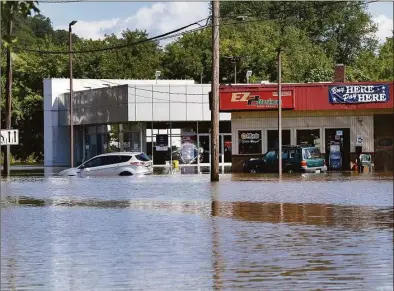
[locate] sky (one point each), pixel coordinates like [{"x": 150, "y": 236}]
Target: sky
[{"x": 95, "y": 19}]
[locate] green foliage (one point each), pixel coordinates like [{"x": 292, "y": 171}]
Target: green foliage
[
  {"x": 342, "y": 29},
  {"x": 371, "y": 66}
]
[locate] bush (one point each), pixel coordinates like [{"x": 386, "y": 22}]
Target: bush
[{"x": 31, "y": 159}]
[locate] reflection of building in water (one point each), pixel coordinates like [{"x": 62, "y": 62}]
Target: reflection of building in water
[{"x": 311, "y": 214}]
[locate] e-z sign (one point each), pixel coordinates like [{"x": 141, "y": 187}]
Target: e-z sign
[
  {"x": 9, "y": 137},
  {"x": 255, "y": 100}
]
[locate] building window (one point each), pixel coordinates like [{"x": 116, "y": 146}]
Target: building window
[
  {"x": 249, "y": 142},
  {"x": 308, "y": 137},
  {"x": 131, "y": 141}
]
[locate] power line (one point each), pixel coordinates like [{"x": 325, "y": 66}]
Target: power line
[
  {"x": 154, "y": 91},
  {"x": 114, "y": 47},
  {"x": 171, "y": 34},
  {"x": 59, "y": 2}
]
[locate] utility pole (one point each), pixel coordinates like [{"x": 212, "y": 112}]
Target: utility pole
[
  {"x": 70, "y": 59},
  {"x": 215, "y": 93},
  {"x": 235, "y": 71},
  {"x": 1, "y": 46},
  {"x": 280, "y": 111},
  {"x": 8, "y": 98}
]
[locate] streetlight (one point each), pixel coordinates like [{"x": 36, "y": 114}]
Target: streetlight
[
  {"x": 70, "y": 58},
  {"x": 248, "y": 74},
  {"x": 280, "y": 110},
  {"x": 234, "y": 59},
  {"x": 157, "y": 75}
]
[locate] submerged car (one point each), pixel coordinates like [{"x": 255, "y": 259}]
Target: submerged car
[
  {"x": 113, "y": 164},
  {"x": 303, "y": 159}
]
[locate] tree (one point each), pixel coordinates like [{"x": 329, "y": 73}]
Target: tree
[
  {"x": 386, "y": 59},
  {"x": 254, "y": 44},
  {"x": 11, "y": 12},
  {"x": 342, "y": 29},
  {"x": 134, "y": 62}
]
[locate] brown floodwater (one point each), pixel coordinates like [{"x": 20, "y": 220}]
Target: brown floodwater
[{"x": 181, "y": 232}]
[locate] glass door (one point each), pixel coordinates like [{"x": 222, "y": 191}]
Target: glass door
[{"x": 204, "y": 149}]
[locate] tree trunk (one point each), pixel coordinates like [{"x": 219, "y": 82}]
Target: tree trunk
[{"x": 8, "y": 96}]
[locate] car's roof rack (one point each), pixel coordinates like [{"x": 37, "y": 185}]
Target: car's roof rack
[{"x": 293, "y": 146}]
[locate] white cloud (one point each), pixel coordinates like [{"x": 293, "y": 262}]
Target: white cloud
[
  {"x": 385, "y": 27},
  {"x": 155, "y": 19}
]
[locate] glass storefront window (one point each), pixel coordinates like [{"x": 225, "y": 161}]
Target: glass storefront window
[
  {"x": 131, "y": 141},
  {"x": 249, "y": 142},
  {"x": 308, "y": 136},
  {"x": 113, "y": 138}
]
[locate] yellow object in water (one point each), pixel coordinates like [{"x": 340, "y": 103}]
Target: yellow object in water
[{"x": 175, "y": 164}]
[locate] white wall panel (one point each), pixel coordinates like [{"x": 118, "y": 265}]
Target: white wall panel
[
  {"x": 144, "y": 111},
  {"x": 161, "y": 111},
  {"x": 178, "y": 111}
]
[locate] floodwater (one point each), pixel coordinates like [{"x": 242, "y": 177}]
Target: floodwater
[{"x": 180, "y": 232}]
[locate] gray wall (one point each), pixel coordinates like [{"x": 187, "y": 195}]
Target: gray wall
[{"x": 96, "y": 106}]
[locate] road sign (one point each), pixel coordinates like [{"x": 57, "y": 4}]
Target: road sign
[{"x": 9, "y": 137}]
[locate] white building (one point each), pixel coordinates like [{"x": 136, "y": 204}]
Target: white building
[{"x": 118, "y": 115}]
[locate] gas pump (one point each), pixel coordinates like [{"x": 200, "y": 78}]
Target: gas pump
[{"x": 335, "y": 156}]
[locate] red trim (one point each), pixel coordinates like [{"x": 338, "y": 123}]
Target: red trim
[{"x": 305, "y": 97}]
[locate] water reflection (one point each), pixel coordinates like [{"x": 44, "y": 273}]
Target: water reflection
[{"x": 171, "y": 233}]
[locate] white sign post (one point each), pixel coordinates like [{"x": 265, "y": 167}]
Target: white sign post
[{"x": 9, "y": 137}]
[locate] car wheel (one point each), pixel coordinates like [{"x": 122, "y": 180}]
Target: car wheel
[
  {"x": 125, "y": 174},
  {"x": 290, "y": 171},
  {"x": 252, "y": 171}
]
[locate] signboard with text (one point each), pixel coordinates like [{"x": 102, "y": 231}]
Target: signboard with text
[
  {"x": 9, "y": 137},
  {"x": 162, "y": 142},
  {"x": 356, "y": 94},
  {"x": 255, "y": 100}
]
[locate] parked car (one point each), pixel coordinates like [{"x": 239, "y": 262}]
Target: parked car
[
  {"x": 294, "y": 159},
  {"x": 113, "y": 164}
]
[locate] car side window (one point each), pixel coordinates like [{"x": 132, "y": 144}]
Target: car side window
[
  {"x": 270, "y": 156},
  {"x": 292, "y": 154},
  {"x": 124, "y": 159},
  {"x": 285, "y": 154},
  {"x": 110, "y": 160},
  {"x": 298, "y": 155},
  {"x": 96, "y": 162}
]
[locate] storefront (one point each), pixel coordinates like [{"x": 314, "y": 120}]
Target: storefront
[
  {"x": 356, "y": 116},
  {"x": 169, "y": 121}
]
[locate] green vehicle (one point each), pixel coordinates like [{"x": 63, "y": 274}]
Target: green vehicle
[{"x": 301, "y": 159}]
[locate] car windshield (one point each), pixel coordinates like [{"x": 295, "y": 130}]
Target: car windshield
[{"x": 312, "y": 153}]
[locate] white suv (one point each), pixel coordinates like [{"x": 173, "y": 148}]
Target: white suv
[{"x": 113, "y": 164}]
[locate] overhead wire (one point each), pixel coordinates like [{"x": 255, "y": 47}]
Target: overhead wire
[
  {"x": 158, "y": 37},
  {"x": 172, "y": 34},
  {"x": 134, "y": 86}
]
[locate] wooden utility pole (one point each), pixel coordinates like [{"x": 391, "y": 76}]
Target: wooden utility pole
[
  {"x": 8, "y": 98},
  {"x": 1, "y": 47},
  {"x": 280, "y": 112},
  {"x": 215, "y": 93}
]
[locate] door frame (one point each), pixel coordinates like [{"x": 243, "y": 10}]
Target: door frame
[{"x": 222, "y": 164}]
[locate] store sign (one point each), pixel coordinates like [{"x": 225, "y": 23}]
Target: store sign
[
  {"x": 249, "y": 142},
  {"x": 250, "y": 137},
  {"x": 255, "y": 100},
  {"x": 162, "y": 142},
  {"x": 351, "y": 94}
]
